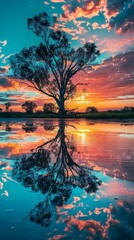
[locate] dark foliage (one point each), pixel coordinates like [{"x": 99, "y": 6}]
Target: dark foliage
[
  {"x": 29, "y": 107},
  {"x": 91, "y": 109},
  {"x": 49, "y": 108}
]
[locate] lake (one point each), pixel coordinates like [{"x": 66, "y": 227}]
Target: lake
[{"x": 66, "y": 179}]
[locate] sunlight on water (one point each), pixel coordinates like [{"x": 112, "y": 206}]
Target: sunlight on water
[{"x": 68, "y": 179}]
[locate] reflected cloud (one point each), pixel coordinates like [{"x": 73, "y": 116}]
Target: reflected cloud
[{"x": 118, "y": 225}]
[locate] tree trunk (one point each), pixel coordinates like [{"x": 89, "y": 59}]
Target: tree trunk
[
  {"x": 62, "y": 111},
  {"x": 61, "y": 106}
]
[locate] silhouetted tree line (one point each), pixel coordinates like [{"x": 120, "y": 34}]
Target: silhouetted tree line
[
  {"x": 126, "y": 108},
  {"x": 50, "y": 108},
  {"x": 30, "y": 107}
]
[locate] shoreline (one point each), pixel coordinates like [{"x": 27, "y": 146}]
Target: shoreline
[
  {"x": 127, "y": 121},
  {"x": 99, "y": 116}
]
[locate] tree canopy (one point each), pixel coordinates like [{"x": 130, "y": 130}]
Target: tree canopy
[
  {"x": 91, "y": 110},
  {"x": 50, "y": 67},
  {"x": 29, "y": 107},
  {"x": 49, "y": 108}
]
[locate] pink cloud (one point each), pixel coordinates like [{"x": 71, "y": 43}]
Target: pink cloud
[
  {"x": 115, "y": 44},
  {"x": 111, "y": 79},
  {"x": 57, "y": 1}
]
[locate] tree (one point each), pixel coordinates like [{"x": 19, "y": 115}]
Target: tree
[
  {"x": 0, "y": 109},
  {"x": 29, "y": 107},
  {"x": 7, "y": 106},
  {"x": 49, "y": 68},
  {"x": 49, "y": 108},
  {"x": 91, "y": 110},
  {"x": 126, "y": 108}
]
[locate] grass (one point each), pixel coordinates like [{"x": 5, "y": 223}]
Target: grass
[
  {"x": 99, "y": 115},
  {"x": 107, "y": 115}
]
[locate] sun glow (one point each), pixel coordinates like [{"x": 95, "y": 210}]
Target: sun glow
[{"x": 82, "y": 98}]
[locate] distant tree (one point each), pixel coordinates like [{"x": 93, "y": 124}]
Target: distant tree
[
  {"x": 29, "y": 107},
  {"x": 49, "y": 108},
  {"x": 91, "y": 110},
  {"x": 126, "y": 108},
  {"x": 7, "y": 106},
  {"x": 0, "y": 109},
  {"x": 49, "y": 68}
]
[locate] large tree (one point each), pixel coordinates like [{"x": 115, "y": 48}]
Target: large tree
[{"x": 50, "y": 67}]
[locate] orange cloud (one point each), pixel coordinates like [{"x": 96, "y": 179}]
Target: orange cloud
[{"x": 86, "y": 8}]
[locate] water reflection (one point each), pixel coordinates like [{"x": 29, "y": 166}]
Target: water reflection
[
  {"x": 50, "y": 168},
  {"x": 53, "y": 185},
  {"x": 29, "y": 127},
  {"x": 119, "y": 224},
  {"x": 8, "y": 128}
]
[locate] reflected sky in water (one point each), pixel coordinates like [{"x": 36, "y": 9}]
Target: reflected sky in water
[{"x": 61, "y": 179}]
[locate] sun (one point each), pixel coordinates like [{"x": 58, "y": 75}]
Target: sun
[{"x": 82, "y": 97}]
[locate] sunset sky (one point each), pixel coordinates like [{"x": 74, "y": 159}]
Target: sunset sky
[{"x": 108, "y": 23}]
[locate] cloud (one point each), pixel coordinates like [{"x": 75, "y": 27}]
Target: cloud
[
  {"x": 57, "y": 1},
  {"x": 4, "y": 99},
  {"x": 118, "y": 14},
  {"x": 95, "y": 25},
  {"x": 78, "y": 9},
  {"x": 124, "y": 21},
  {"x": 3, "y": 70},
  {"x": 114, "y": 7},
  {"x": 3, "y": 43},
  {"x": 111, "y": 79},
  {"x": 114, "y": 44},
  {"x": 4, "y": 82},
  {"x": 2, "y": 56},
  {"x": 46, "y": 3}
]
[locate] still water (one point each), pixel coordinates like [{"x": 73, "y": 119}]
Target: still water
[{"x": 69, "y": 179}]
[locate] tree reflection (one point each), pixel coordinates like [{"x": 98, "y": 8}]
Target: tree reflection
[
  {"x": 49, "y": 126},
  {"x": 8, "y": 128},
  {"x": 50, "y": 168},
  {"x": 29, "y": 127}
]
